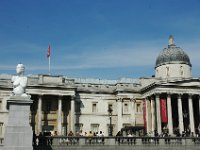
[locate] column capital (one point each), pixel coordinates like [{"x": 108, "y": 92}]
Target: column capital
[
  {"x": 169, "y": 93},
  {"x": 40, "y": 95},
  {"x": 179, "y": 95},
  {"x": 60, "y": 96},
  {"x": 152, "y": 98},
  {"x": 132, "y": 99},
  {"x": 148, "y": 98},
  {"x": 119, "y": 99},
  {"x": 190, "y": 95},
  {"x": 73, "y": 97},
  {"x": 157, "y": 94}
]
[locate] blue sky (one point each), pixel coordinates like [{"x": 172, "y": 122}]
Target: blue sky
[{"x": 106, "y": 39}]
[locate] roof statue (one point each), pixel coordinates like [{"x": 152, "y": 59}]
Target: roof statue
[{"x": 19, "y": 81}]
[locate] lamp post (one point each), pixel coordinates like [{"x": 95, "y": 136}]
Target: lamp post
[{"x": 110, "y": 117}]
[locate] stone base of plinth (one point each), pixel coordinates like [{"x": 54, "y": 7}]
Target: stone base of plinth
[
  {"x": 18, "y": 148},
  {"x": 18, "y": 135}
]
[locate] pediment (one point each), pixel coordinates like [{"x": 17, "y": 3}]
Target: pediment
[
  {"x": 184, "y": 83},
  {"x": 193, "y": 83}
]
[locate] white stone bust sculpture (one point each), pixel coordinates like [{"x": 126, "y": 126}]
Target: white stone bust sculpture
[{"x": 19, "y": 81}]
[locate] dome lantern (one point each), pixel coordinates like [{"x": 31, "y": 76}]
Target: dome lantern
[{"x": 171, "y": 41}]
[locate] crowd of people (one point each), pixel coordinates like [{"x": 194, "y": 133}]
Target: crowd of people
[
  {"x": 41, "y": 139},
  {"x": 72, "y": 138},
  {"x": 98, "y": 137}
]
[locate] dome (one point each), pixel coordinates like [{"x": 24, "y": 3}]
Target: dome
[{"x": 172, "y": 55}]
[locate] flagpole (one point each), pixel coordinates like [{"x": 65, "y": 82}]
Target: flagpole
[
  {"x": 49, "y": 65},
  {"x": 48, "y": 55}
]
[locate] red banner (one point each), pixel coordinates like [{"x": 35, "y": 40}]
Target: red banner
[
  {"x": 48, "y": 52},
  {"x": 144, "y": 114},
  {"x": 163, "y": 111}
]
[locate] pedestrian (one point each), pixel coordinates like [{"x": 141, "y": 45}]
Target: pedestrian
[
  {"x": 130, "y": 139},
  {"x": 34, "y": 138},
  {"x": 118, "y": 135},
  {"x": 90, "y": 135},
  {"x": 70, "y": 136},
  {"x": 101, "y": 137}
]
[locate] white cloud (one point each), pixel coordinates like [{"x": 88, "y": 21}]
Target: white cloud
[
  {"x": 121, "y": 55},
  {"x": 193, "y": 51},
  {"x": 6, "y": 67},
  {"x": 139, "y": 54}
]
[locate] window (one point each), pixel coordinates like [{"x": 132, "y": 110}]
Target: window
[
  {"x": 126, "y": 108},
  {"x": 1, "y": 129},
  {"x": 138, "y": 109},
  {"x": 110, "y": 106},
  {"x": 95, "y": 128},
  {"x": 78, "y": 127},
  {"x": 94, "y": 107}
]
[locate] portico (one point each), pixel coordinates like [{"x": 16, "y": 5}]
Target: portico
[
  {"x": 53, "y": 113},
  {"x": 176, "y": 110},
  {"x": 53, "y": 106},
  {"x": 174, "y": 97}
]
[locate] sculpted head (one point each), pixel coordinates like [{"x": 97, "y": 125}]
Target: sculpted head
[{"x": 20, "y": 69}]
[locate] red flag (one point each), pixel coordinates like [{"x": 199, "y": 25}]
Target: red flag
[
  {"x": 48, "y": 52},
  {"x": 163, "y": 108}
]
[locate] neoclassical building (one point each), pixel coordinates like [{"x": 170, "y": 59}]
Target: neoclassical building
[
  {"x": 173, "y": 101},
  {"x": 170, "y": 99}
]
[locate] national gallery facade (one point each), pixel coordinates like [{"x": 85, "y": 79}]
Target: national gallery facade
[{"x": 169, "y": 100}]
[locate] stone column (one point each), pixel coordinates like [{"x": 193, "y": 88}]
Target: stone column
[
  {"x": 199, "y": 109},
  {"x": 180, "y": 114},
  {"x": 169, "y": 114},
  {"x": 191, "y": 114},
  {"x": 148, "y": 115},
  {"x": 133, "y": 111},
  {"x": 119, "y": 114},
  {"x": 153, "y": 124},
  {"x": 59, "y": 116},
  {"x": 158, "y": 114},
  {"x": 39, "y": 114},
  {"x": 72, "y": 117}
]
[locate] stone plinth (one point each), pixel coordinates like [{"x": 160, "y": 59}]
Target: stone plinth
[{"x": 18, "y": 135}]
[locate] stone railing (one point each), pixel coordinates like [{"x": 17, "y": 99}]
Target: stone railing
[
  {"x": 64, "y": 141},
  {"x": 108, "y": 143}
]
